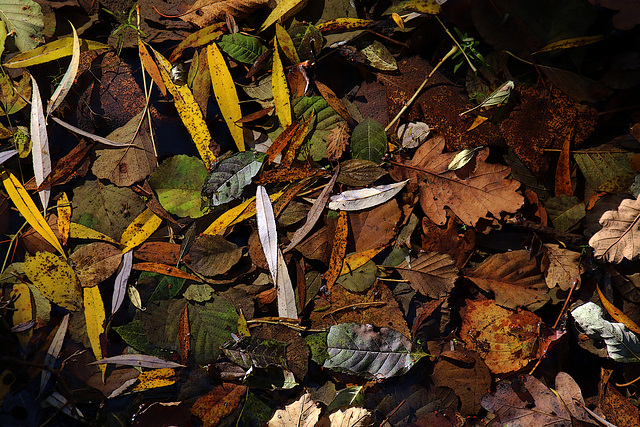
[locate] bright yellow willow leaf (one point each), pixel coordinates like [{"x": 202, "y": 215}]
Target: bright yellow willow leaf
[
  {"x": 357, "y": 260},
  {"x": 28, "y": 210},
  {"x": 224, "y": 90},
  {"x": 188, "y": 110},
  {"x": 157, "y": 378},
  {"x": 55, "y": 279},
  {"x": 64, "y": 217},
  {"x": 280, "y": 89},
  {"x": 94, "y": 317},
  {"x": 343, "y": 24},
  {"x": 283, "y": 8},
  {"x": 23, "y": 311},
  {"x": 50, "y": 52},
  {"x": 238, "y": 214},
  {"x": 79, "y": 231},
  {"x": 398, "y": 20},
  {"x": 139, "y": 230}
]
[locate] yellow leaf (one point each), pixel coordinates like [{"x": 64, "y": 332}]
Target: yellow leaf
[
  {"x": 50, "y": 52},
  {"x": 570, "y": 43},
  {"x": 286, "y": 44},
  {"x": 280, "y": 89},
  {"x": 79, "y": 231},
  {"x": 357, "y": 260},
  {"x": 157, "y": 378},
  {"x": 188, "y": 110},
  {"x": 617, "y": 314},
  {"x": 64, "y": 217},
  {"x": 139, "y": 230},
  {"x": 477, "y": 122},
  {"x": 283, "y": 8},
  {"x": 150, "y": 67},
  {"x": 237, "y": 214},
  {"x": 343, "y": 24},
  {"x": 398, "y": 20},
  {"x": 23, "y": 311},
  {"x": 55, "y": 279},
  {"x": 94, "y": 317},
  {"x": 28, "y": 210},
  {"x": 224, "y": 90},
  {"x": 243, "y": 326}
]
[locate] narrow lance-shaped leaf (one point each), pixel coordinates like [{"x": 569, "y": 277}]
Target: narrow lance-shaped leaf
[
  {"x": 95, "y": 317},
  {"x": 224, "y": 90},
  {"x": 120, "y": 285},
  {"x": 284, "y": 7},
  {"x": 64, "y": 217},
  {"x": 314, "y": 213},
  {"x": 497, "y": 97},
  {"x": 28, "y": 210},
  {"x": 280, "y": 88},
  {"x": 54, "y": 351},
  {"x": 338, "y": 250},
  {"x": 355, "y": 200},
  {"x": 40, "y": 141},
  {"x": 139, "y": 230},
  {"x": 188, "y": 110},
  {"x": 69, "y": 76},
  {"x": 138, "y": 361},
  {"x": 50, "y": 52}
]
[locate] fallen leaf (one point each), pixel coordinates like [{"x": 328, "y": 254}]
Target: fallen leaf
[
  {"x": 620, "y": 231},
  {"x": 161, "y": 377},
  {"x": 95, "y": 318},
  {"x": 95, "y": 263},
  {"x": 218, "y": 403},
  {"x": 280, "y": 89},
  {"x": 69, "y": 76},
  {"x": 40, "y": 151},
  {"x": 338, "y": 251},
  {"x": 143, "y": 226},
  {"x": 55, "y": 279},
  {"x": 350, "y": 417},
  {"x": 432, "y": 274},
  {"x": 365, "y": 198},
  {"x": 563, "y": 269}
]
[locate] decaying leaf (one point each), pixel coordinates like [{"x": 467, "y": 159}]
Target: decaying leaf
[
  {"x": 365, "y": 198},
  {"x": 620, "y": 233},
  {"x": 432, "y": 274},
  {"x": 304, "y": 413}
]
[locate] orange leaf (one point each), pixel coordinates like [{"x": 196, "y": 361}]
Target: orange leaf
[
  {"x": 151, "y": 67},
  {"x": 167, "y": 270},
  {"x": 281, "y": 141},
  {"x": 297, "y": 140},
  {"x": 184, "y": 334},
  {"x": 218, "y": 403},
  {"x": 563, "y": 174},
  {"x": 339, "y": 250},
  {"x": 618, "y": 315}
]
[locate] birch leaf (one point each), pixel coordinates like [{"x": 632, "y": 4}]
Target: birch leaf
[
  {"x": 620, "y": 233},
  {"x": 139, "y": 230},
  {"x": 95, "y": 317},
  {"x": 120, "y": 285},
  {"x": 224, "y": 90},
  {"x": 28, "y": 210},
  {"x": 622, "y": 344},
  {"x": 277, "y": 266},
  {"x": 280, "y": 89},
  {"x": 365, "y": 198},
  {"x": 40, "y": 141},
  {"x": 313, "y": 215},
  {"x": 69, "y": 76}
]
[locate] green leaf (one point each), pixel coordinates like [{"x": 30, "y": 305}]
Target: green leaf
[
  {"x": 360, "y": 279},
  {"x": 229, "y": 177},
  {"x": 177, "y": 182},
  {"x": 167, "y": 287},
  {"x": 135, "y": 336},
  {"x": 350, "y": 396},
  {"x": 368, "y": 351},
  {"x": 565, "y": 212},
  {"x": 369, "y": 141},
  {"x": 256, "y": 352},
  {"x": 307, "y": 40},
  {"x": 26, "y": 19},
  {"x": 326, "y": 119},
  {"x": 211, "y": 324},
  {"x": 241, "y": 47}
]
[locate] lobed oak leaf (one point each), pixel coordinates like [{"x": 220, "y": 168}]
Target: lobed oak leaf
[
  {"x": 620, "y": 234},
  {"x": 486, "y": 192}
]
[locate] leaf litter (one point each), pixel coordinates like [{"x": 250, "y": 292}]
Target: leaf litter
[{"x": 430, "y": 268}]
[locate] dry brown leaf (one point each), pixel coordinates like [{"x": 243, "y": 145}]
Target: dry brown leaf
[
  {"x": 484, "y": 193},
  {"x": 374, "y": 227},
  {"x": 432, "y": 274},
  {"x": 563, "y": 269},
  {"x": 218, "y": 403},
  {"x": 620, "y": 234},
  {"x": 337, "y": 141},
  {"x": 351, "y": 417},
  {"x": 303, "y": 412},
  {"x": 514, "y": 278},
  {"x": 206, "y": 12}
]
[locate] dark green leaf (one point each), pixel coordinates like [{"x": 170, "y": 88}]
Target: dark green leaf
[
  {"x": 369, "y": 141},
  {"x": 230, "y": 176},
  {"x": 241, "y": 47}
]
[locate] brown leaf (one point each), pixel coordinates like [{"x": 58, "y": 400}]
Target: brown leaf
[
  {"x": 339, "y": 250},
  {"x": 95, "y": 262},
  {"x": 206, "y": 12},
  {"x": 432, "y": 274},
  {"x": 619, "y": 237},
  {"x": 375, "y": 227},
  {"x": 287, "y": 175},
  {"x": 335, "y": 103},
  {"x": 451, "y": 241},
  {"x": 281, "y": 141},
  {"x": 213, "y": 255},
  {"x": 218, "y": 403},
  {"x": 296, "y": 141},
  {"x": 160, "y": 252},
  {"x": 563, "y": 269},
  {"x": 337, "y": 141},
  {"x": 506, "y": 340},
  {"x": 69, "y": 166},
  {"x": 184, "y": 334},
  {"x": 514, "y": 278},
  {"x": 484, "y": 193},
  {"x": 167, "y": 270},
  {"x": 563, "y": 173}
]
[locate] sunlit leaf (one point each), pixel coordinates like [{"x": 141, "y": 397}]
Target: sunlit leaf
[
  {"x": 280, "y": 88},
  {"x": 95, "y": 317},
  {"x": 25, "y": 20},
  {"x": 50, "y": 52},
  {"x": 355, "y": 200},
  {"x": 283, "y": 8},
  {"x": 368, "y": 141},
  {"x": 69, "y": 76},
  {"x": 139, "y": 230},
  {"x": 242, "y": 47},
  {"x": 229, "y": 177},
  {"x": 40, "y": 140}
]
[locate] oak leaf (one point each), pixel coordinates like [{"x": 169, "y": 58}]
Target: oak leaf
[
  {"x": 484, "y": 193},
  {"x": 620, "y": 234}
]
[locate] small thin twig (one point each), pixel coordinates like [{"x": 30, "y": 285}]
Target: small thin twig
[
  {"x": 356, "y": 305},
  {"x": 474, "y": 69},
  {"x": 415, "y": 95}
]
